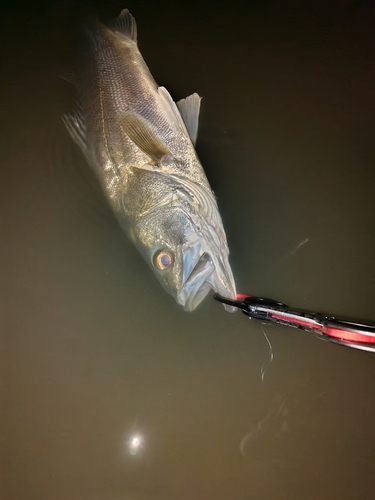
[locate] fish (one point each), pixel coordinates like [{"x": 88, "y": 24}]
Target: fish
[{"x": 141, "y": 145}]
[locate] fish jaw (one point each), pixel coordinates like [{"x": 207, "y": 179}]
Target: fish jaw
[
  {"x": 211, "y": 272},
  {"x": 195, "y": 286}
]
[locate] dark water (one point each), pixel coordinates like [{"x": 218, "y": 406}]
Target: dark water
[{"x": 94, "y": 353}]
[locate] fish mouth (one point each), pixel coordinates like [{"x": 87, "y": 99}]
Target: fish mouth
[
  {"x": 205, "y": 264},
  {"x": 209, "y": 272}
]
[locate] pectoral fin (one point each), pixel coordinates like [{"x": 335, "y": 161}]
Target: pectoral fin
[
  {"x": 189, "y": 109},
  {"x": 144, "y": 137}
]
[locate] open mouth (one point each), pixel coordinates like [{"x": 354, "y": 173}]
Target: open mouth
[
  {"x": 196, "y": 286},
  {"x": 205, "y": 275}
]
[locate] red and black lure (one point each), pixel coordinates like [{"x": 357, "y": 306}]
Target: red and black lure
[{"x": 348, "y": 333}]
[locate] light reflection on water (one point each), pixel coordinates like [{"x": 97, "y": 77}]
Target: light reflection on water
[
  {"x": 97, "y": 355},
  {"x": 264, "y": 438}
]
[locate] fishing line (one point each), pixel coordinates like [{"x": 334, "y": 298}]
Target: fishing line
[{"x": 263, "y": 369}]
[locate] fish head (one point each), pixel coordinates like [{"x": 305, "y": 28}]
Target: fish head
[{"x": 188, "y": 256}]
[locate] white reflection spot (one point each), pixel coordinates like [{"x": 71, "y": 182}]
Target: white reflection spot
[{"x": 135, "y": 444}]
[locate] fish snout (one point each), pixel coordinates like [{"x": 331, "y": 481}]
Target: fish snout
[{"x": 209, "y": 272}]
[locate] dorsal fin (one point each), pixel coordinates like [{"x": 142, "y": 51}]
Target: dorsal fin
[
  {"x": 125, "y": 24},
  {"x": 189, "y": 109},
  {"x": 171, "y": 108},
  {"x": 144, "y": 137},
  {"x": 75, "y": 124}
]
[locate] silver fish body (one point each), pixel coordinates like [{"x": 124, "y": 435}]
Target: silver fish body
[{"x": 141, "y": 146}]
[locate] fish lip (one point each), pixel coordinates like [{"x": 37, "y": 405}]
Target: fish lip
[
  {"x": 196, "y": 285},
  {"x": 222, "y": 281},
  {"x": 209, "y": 272}
]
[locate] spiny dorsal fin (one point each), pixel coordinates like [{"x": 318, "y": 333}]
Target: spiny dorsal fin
[
  {"x": 75, "y": 124},
  {"x": 125, "y": 24},
  {"x": 144, "y": 137},
  {"x": 189, "y": 109}
]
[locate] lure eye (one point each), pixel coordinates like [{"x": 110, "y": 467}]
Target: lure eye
[{"x": 163, "y": 259}]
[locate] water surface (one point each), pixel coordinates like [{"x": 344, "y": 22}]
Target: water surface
[{"x": 95, "y": 353}]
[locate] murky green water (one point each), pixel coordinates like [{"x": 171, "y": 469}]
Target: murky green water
[{"x": 95, "y": 354}]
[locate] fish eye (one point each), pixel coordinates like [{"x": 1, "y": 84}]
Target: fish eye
[{"x": 163, "y": 259}]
